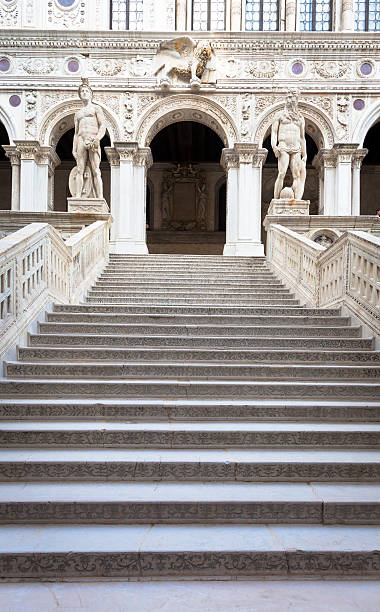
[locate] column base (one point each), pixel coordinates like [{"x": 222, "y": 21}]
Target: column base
[
  {"x": 282, "y": 206},
  {"x": 87, "y": 206},
  {"x": 128, "y": 247},
  {"x": 244, "y": 249}
]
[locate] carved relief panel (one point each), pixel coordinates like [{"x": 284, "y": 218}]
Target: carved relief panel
[{"x": 184, "y": 199}]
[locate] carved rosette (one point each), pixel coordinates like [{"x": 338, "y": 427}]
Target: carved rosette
[{"x": 107, "y": 67}]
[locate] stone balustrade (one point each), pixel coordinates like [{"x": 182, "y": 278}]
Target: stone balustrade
[
  {"x": 345, "y": 274},
  {"x": 38, "y": 266}
]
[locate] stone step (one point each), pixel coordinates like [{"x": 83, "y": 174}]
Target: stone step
[
  {"x": 179, "y": 370},
  {"x": 179, "y": 277},
  {"x": 99, "y": 434},
  {"x": 84, "y": 552},
  {"x": 200, "y": 355},
  {"x": 111, "y": 318},
  {"x": 217, "y": 286},
  {"x": 186, "y": 256},
  {"x": 195, "y": 300},
  {"x": 244, "y": 331},
  {"x": 216, "y": 465},
  {"x": 199, "y": 310},
  {"x": 188, "y": 389},
  {"x": 184, "y": 410},
  {"x": 210, "y": 268},
  {"x": 207, "y": 503},
  {"x": 191, "y": 293},
  {"x": 196, "y": 342}
]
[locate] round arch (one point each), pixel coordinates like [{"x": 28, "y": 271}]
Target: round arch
[
  {"x": 60, "y": 119},
  {"x": 9, "y": 125},
  {"x": 370, "y": 118},
  {"x": 184, "y": 107},
  {"x": 317, "y": 124}
]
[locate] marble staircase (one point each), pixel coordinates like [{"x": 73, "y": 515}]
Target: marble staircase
[{"x": 190, "y": 419}]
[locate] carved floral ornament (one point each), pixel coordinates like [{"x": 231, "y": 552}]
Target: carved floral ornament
[
  {"x": 186, "y": 108},
  {"x": 107, "y": 67},
  {"x": 332, "y": 69}
]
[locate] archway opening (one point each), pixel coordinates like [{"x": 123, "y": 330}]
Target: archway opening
[
  {"x": 370, "y": 172},
  {"x": 186, "y": 208},
  {"x": 270, "y": 171},
  {"x": 64, "y": 151},
  {"x": 5, "y": 172}
]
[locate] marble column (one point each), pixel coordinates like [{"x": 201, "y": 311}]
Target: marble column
[
  {"x": 181, "y": 12},
  {"x": 343, "y": 179},
  {"x": 290, "y": 15},
  {"x": 47, "y": 160},
  {"x": 128, "y": 197},
  {"x": 357, "y": 160},
  {"x": 347, "y": 16},
  {"x": 325, "y": 161},
  {"x": 236, "y": 15},
  {"x": 230, "y": 162},
  {"x": 14, "y": 155},
  {"x": 29, "y": 193},
  {"x": 244, "y": 208}
]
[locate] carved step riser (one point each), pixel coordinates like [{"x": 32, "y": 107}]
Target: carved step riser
[
  {"x": 278, "y": 356},
  {"x": 180, "y": 564},
  {"x": 244, "y": 332},
  {"x": 178, "y": 512},
  {"x": 189, "y": 390},
  {"x": 195, "y": 301},
  {"x": 195, "y": 320},
  {"x": 185, "y": 412},
  {"x": 173, "y": 371},
  {"x": 190, "y": 439},
  {"x": 139, "y": 471}
]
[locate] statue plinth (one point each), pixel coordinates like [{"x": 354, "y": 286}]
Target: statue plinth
[
  {"x": 87, "y": 206},
  {"x": 288, "y": 206}
]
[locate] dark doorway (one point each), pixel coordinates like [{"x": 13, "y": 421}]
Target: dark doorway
[
  {"x": 186, "y": 211},
  {"x": 370, "y": 173},
  {"x": 5, "y": 172}
]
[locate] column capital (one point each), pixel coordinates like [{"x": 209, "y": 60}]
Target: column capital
[
  {"x": 112, "y": 156},
  {"x": 143, "y": 157},
  {"x": 13, "y": 154},
  {"x": 47, "y": 156},
  {"x": 325, "y": 158},
  {"x": 126, "y": 150},
  {"x": 358, "y": 157},
  {"x": 345, "y": 151},
  {"x": 28, "y": 149},
  {"x": 250, "y": 153},
  {"x": 229, "y": 159}
]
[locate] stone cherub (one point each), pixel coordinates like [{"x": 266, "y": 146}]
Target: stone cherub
[
  {"x": 289, "y": 146},
  {"x": 184, "y": 58},
  {"x": 85, "y": 178}
]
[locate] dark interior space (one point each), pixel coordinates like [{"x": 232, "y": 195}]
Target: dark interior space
[
  {"x": 5, "y": 172},
  {"x": 187, "y": 142}
]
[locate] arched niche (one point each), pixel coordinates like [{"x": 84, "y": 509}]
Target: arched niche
[{"x": 370, "y": 172}]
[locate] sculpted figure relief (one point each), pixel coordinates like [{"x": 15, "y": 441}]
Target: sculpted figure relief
[
  {"x": 182, "y": 57},
  {"x": 289, "y": 146},
  {"x": 85, "y": 179}
]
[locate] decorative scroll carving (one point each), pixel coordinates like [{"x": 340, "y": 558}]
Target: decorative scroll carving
[
  {"x": 343, "y": 117},
  {"x": 184, "y": 174},
  {"x": 263, "y": 69},
  {"x": 9, "y": 13},
  {"x": 107, "y": 67},
  {"x": 67, "y": 17},
  {"x": 332, "y": 69},
  {"x": 31, "y": 114},
  {"x": 39, "y": 66}
]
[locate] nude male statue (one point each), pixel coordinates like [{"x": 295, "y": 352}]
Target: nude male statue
[
  {"x": 289, "y": 146},
  {"x": 90, "y": 128}
]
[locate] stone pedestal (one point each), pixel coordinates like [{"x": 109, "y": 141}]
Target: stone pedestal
[
  {"x": 288, "y": 207},
  {"x": 87, "y": 206}
]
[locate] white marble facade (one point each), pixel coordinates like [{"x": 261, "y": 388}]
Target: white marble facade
[{"x": 336, "y": 74}]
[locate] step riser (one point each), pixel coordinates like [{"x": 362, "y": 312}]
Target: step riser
[
  {"x": 194, "y": 320},
  {"x": 189, "y": 439},
  {"x": 201, "y": 371},
  {"x": 137, "y": 471},
  {"x": 56, "y": 354},
  {"x": 131, "y": 342},
  {"x": 194, "y": 301},
  {"x": 181, "y": 564},
  {"x": 189, "y": 390},
  {"x": 183, "y": 293},
  {"x": 209, "y": 331},
  {"x": 197, "y": 310},
  {"x": 182, "y": 413},
  {"x": 194, "y": 512}
]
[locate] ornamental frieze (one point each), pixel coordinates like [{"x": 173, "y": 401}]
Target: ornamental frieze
[
  {"x": 264, "y": 69},
  {"x": 107, "y": 67},
  {"x": 331, "y": 69},
  {"x": 39, "y": 66}
]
